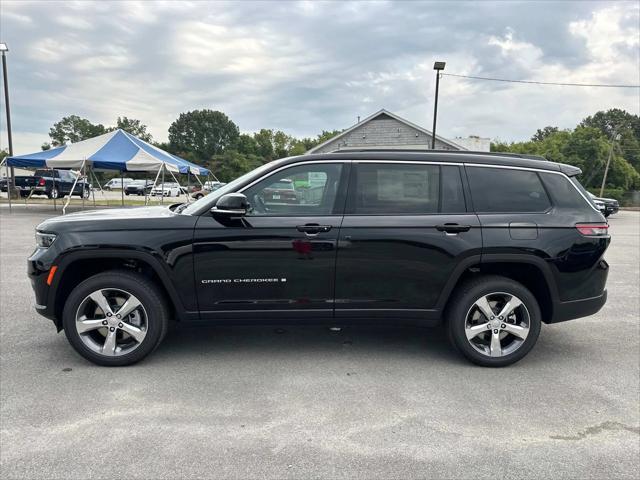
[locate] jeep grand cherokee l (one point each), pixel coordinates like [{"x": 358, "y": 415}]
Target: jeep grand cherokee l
[{"x": 493, "y": 245}]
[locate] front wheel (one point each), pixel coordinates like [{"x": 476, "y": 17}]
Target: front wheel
[
  {"x": 115, "y": 318},
  {"x": 494, "y": 321}
]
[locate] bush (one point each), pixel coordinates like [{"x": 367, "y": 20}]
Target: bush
[{"x": 617, "y": 193}]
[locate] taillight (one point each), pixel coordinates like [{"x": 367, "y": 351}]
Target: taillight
[
  {"x": 593, "y": 229},
  {"x": 41, "y": 182}
]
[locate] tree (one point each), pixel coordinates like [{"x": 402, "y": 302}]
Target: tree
[
  {"x": 246, "y": 144},
  {"x": 73, "y": 129},
  {"x": 264, "y": 144},
  {"x": 326, "y": 135},
  {"x": 203, "y": 133},
  {"x": 231, "y": 164},
  {"x": 134, "y": 127},
  {"x": 543, "y": 133},
  {"x": 622, "y": 123},
  {"x": 613, "y": 119}
]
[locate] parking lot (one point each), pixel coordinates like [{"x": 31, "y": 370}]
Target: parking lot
[{"x": 301, "y": 402}]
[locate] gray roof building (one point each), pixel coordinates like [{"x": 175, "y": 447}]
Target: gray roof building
[{"x": 384, "y": 129}]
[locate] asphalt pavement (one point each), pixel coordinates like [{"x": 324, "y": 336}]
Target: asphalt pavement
[{"x": 302, "y": 402}]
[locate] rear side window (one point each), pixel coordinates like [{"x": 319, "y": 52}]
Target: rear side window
[
  {"x": 499, "y": 190},
  {"x": 406, "y": 189},
  {"x": 397, "y": 189},
  {"x": 563, "y": 193}
]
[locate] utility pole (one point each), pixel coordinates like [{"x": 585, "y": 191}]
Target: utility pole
[
  {"x": 437, "y": 66},
  {"x": 614, "y": 137},
  {"x": 10, "y": 182}
]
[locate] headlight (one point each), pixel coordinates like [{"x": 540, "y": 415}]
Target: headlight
[{"x": 44, "y": 240}]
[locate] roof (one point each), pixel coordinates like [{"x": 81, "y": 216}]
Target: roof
[
  {"x": 445, "y": 156},
  {"x": 395, "y": 117}
]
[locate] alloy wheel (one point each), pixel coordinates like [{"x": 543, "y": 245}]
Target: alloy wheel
[
  {"x": 497, "y": 324},
  {"x": 111, "y": 322}
]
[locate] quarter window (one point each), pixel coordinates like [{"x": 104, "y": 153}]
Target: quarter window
[
  {"x": 498, "y": 190},
  {"x": 302, "y": 190},
  {"x": 564, "y": 194}
]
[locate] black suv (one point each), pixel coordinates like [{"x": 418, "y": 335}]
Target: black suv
[{"x": 490, "y": 244}]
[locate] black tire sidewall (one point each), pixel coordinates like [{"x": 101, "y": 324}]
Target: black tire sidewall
[
  {"x": 139, "y": 286},
  {"x": 465, "y": 298},
  {"x": 56, "y": 195}
]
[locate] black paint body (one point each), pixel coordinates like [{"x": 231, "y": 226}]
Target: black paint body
[
  {"x": 42, "y": 182},
  {"x": 401, "y": 268}
]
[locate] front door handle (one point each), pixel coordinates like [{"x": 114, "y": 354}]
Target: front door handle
[
  {"x": 453, "y": 228},
  {"x": 313, "y": 228}
]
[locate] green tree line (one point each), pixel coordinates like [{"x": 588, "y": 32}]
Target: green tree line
[
  {"x": 588, "y": 145},
  {"x": 210, "y": 138}
]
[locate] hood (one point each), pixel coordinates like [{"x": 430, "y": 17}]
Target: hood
[{"x": 115, "y": 216}]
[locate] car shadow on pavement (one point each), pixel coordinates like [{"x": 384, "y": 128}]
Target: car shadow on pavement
[{"x": 188, "y": 342}]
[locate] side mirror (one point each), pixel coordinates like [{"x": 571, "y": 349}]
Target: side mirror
[{"x": 231, "y": 204}]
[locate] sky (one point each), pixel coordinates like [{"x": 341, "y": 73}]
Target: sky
[{"x": 304, "y": 67}]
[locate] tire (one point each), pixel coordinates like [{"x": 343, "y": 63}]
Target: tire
[
  {"x": 54, "y": 193},
  {"x": 198, "y": 196},
  {"x": 152, "y": 315},
  {"x": 606, "y": 214},
  {"x": 86, "y": 193},
  {"x": 464, "y": 317}
]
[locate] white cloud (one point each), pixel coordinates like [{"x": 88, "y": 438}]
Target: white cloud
[{"x": 308, "y": 66}]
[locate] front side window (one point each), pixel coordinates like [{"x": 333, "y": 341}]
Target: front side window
[
  {"x": 301, "y": 190},
  {"x": 503, "y": 190}
]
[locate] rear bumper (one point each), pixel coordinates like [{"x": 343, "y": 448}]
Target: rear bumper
[{"x": 564, "y": 311}]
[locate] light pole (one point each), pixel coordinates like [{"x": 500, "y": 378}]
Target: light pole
[
  {"x": 438, "y": 66},
  {"x": 4, "y": 49},
  {"x": 614, "y": 137}
]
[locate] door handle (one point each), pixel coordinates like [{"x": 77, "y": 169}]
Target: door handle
[
  {"x": 453, "y": 228},
  {"x": 313, "y": 228}
]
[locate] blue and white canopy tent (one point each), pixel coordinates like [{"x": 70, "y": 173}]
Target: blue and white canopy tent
[{"x": 117, "y": 150}]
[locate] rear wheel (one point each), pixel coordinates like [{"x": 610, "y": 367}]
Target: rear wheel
[
  {"x": 54, "y": 193},
  {"x": 494, "y": 321},
  {"x": 115, "y": 318}
]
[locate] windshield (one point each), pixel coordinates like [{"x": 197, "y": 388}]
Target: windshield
[{"x": 210, "y": 199}]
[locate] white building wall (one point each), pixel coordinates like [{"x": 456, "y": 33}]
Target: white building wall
[{"x": 474, "y": 143}]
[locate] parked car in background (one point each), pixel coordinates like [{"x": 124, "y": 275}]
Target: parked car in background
[
  {"x": 117, "y": 183},
  {"x": 169, "y": 189},
  {"x": 608, "y": 206},
  {"x": 139, "y": 187},
  {"x": 52, "y": 183},
  {"x": 208, "y": 188},
  {"x": 282, "y": 191},
  {"x": 414, "y": 238}
]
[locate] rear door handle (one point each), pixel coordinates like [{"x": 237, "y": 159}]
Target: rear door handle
[
  {"x": 453, "y": 228},
  {"x": 313, "y": 228}
]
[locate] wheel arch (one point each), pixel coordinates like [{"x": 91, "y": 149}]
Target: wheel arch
[
  {"x": 76, "y": 267},
  {"x": 532, "y": 272}
]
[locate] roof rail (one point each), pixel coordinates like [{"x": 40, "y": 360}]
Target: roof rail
[{"x": 458, "y": 152}]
